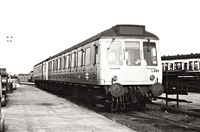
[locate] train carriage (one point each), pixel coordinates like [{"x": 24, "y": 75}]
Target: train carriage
[
  {"x": 186, "y": 71},
  {"x": 115, "y": 68}
]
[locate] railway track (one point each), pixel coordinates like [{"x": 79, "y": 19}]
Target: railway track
[
  {"x": 186, "y": 125},
  {"x": 156, "y": 120},
  {"x": 190, "y": 112}
]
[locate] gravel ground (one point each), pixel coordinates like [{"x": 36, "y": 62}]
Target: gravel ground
[{"x": 152, "y": 120}]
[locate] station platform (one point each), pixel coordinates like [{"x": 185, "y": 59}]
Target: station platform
[{"x": 32, "y": 110}]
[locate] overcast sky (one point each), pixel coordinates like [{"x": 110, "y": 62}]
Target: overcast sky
[{"x": 42, "y": 28}]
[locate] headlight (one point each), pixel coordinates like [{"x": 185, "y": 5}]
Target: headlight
[
  {"x": 152, "y": 77},
  {"x": 115, "y": 78}
]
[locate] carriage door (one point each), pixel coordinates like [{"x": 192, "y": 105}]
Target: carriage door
[
  {"x": 80, "y": 74},
  {"x": 95, "y": 62},
  {"x": 73, "y": 65},
  {"x": 87, "y": 63}
]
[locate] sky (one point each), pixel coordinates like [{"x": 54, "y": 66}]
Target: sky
[{"x": 43, "y": 28}]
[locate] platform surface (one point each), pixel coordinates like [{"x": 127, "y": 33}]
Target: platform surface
[{"x": 32, "y": 110}]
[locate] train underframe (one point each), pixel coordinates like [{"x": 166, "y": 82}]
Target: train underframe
[{"x": 102, "y": 97}]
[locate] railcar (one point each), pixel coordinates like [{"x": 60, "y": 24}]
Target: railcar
[
  {"x": 115, "y": 69},
  {"x": 186, "y": 68}
]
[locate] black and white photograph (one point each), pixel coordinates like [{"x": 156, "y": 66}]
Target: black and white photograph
[{"x": 99, "y": 66}]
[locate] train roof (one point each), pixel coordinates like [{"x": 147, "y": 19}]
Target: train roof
[
  {"x": 42, "y": 61},
  {"x": 136, "y": 31},
  {"x": 176, "y": 57}
]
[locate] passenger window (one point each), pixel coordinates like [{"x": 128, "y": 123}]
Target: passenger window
[
  {"x": 171, "y": 66},
  {"x": 95, "y": 55},
  {"x": 178, "y": 65},
  {"x": 51, "y": 65},
  {"x": 64, "y": 62},
  {"x": 49, "y": 68},
  {"x": 68, "y": 61},
  {"x": 80, "y": 58},
  {"x": 163, "y": 66},
  {"x": 132, "y": 53},
  {"x": 166, "y": 66},
  {"x": 83, "y": 58},
  {"x": 87, "y": 56},
  {"x": 60, "y": 64},
  {"x": 185, "y": 66},
  {"x": 56, "y": 64},
  {"x": 150, "y": 53},
  {"x": 190, "y": 65},
  {"x": 44, "y": 67},
  {"x": 73, "y": 60},
  {"x": 114, "y": 53},
  {"x": 196, "y": 65}
]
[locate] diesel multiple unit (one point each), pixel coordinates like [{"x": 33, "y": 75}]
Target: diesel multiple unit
[{"x": 118, "y": 67}]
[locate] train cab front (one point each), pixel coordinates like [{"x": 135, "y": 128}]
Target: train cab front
[{"x": 132, "y": 69}]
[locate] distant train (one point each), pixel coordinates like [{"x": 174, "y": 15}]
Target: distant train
[
  {"x": 115, "y": 69},
  {"x": 186, "y": 68},
  {"x": 188, "y": 62}
]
